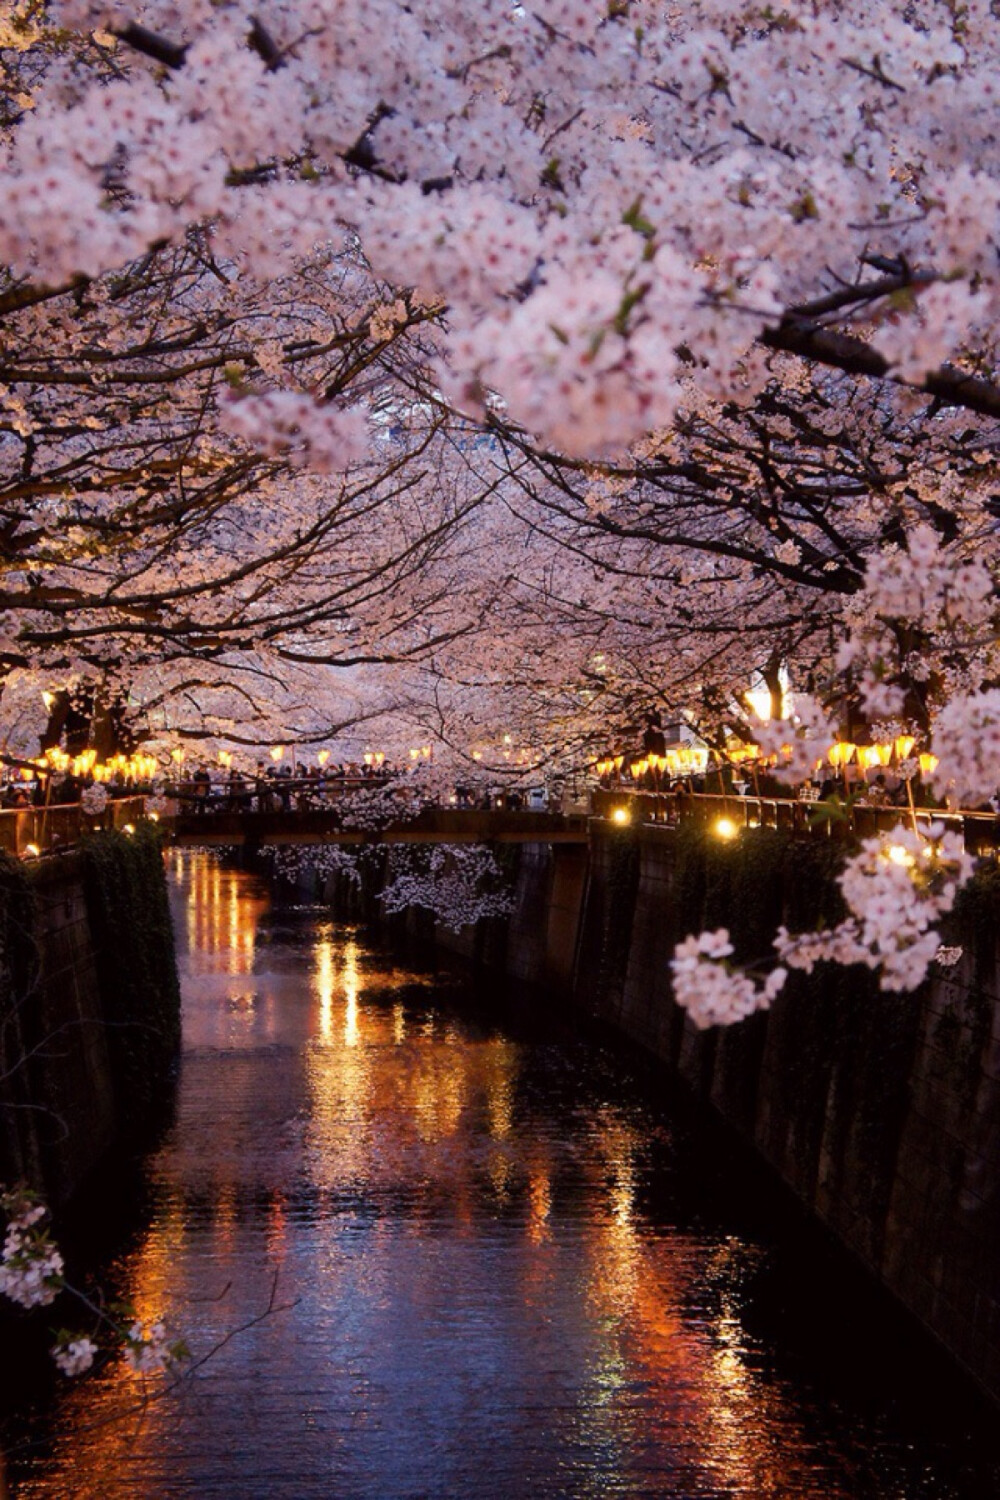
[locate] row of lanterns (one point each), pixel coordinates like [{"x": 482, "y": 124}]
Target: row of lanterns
[
  {"x": 136, "y": 767},
  {"x": 690, "y": 760}
]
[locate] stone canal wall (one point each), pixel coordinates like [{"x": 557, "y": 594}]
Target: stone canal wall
[
  {"x": 89, "y": 1008},
  {"x": 880, "y": 1112}
]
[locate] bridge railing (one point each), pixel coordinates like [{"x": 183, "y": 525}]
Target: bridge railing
[
  {"x": 26, "y": 831},
  {"x": 29, "y": 830}
]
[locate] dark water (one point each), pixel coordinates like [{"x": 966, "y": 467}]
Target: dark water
[{"x": 501, "y": 1266}]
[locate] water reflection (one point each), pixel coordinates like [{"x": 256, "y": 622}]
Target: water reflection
[{"x": 491, "y": 1283}]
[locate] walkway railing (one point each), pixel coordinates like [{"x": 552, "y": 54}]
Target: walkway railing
[
  {"x": 36, "y": 830},
  {"x": 981, "y": 830}
]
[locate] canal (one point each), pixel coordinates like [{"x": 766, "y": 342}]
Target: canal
[{"x": 500, "y": 1262}]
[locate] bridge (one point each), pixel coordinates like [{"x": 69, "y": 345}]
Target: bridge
[
  {"x": 433, "y": 825},
  {"x": 27, "y": 832}
]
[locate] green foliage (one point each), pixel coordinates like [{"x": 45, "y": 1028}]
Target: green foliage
[{"x": 137, "y": 972}]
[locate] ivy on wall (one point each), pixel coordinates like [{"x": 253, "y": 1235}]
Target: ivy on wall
[{"x": 133, "y": 941}]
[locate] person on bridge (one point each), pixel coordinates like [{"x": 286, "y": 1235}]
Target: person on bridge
[{"x": 202, "y": 785}]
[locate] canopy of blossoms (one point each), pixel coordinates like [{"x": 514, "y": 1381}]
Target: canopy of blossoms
[{"x": 508, "y": 368}]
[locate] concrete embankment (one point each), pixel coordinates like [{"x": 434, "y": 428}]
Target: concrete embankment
[
  {"x": 880, "y": 1112},
  {"x": 89, "y": 1008}
]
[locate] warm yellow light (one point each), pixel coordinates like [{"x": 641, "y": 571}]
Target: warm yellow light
[
  {"x": 725, "y": 828},
  {"x": 841, "y": 753},
  {"x": 759, "y": 700},
  {"x": 899, "y": 854},
  {"x": 928, "y": 763},
  {"x": 322, "y": 756},
  {"x": 49, "y": 700},
  {"x": 368, "y": 757},
  {"x": 153, "y": 817},
  {"x": 619, "y": 762},
  {"x": 884, "y": 753},
  {"x": 177, "y": 756},
  {"x": 225, "y": 759},
  {"x": 277, "y": 751},
  {"x": 476, "y": 754},
  {"x": 129, "y": 828},
  {"x": 31, "y": 851},
  {"x": 379, "y": 757},
  {"x": 904, "y": 744},
  {"x": 426, "y": 752},
  {"x": 621, "y": 816}
]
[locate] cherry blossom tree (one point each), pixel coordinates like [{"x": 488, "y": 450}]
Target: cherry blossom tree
[{"x": 719, "y": 284}]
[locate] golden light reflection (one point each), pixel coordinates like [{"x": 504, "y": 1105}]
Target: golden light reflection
[
  {"x": 222, "y": 910},
  {"x": 350, "y": 981},
  {"x": 400, "y": 1100},
  {"x": 539, "y": 1203},
  {"x": 325, "y": 982},
  {"x": 500, "y": 1104}
]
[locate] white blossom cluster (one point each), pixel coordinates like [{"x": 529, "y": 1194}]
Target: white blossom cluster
[
  {"x": 323, "y": 438},
  {"x": 148, "y": 1348},
  {"x": 929, "y": 587},
  {"x": 370, "y": 809},
  {"x": 94, "y": 799},
  {"x": 74, "y": 1354},
  {"x": 31, "y": 1268},
  {"x": 896, "y": 887},
  {"x": 461, "y": 884},
  {"x": 289, "y": 861},
  {"x": 711, "y": 991},
  {"x": 967, "y": 743}
]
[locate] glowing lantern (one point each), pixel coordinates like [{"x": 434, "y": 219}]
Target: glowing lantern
[
  {"x": 904, "y": 744},
  {"x": 621, "y": 816},
  {"x": 725, "y": 828},
  {"x": 277, "y": 751},
  {"x": 322, "y": 756},
  {"x": 928, "y": 763}
]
